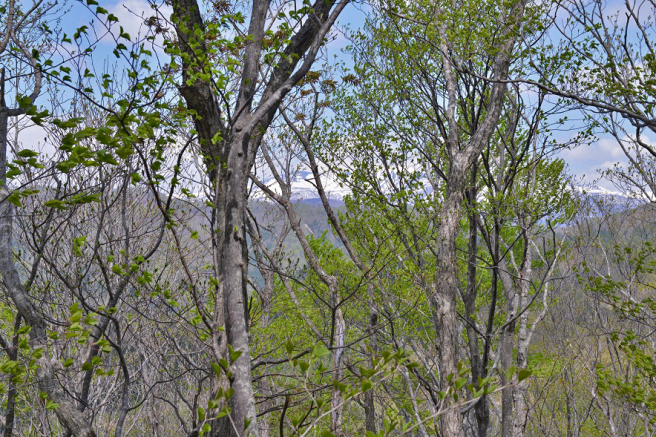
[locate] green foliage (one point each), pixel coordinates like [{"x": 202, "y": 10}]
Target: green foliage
[{"x": 632, "y": 302}]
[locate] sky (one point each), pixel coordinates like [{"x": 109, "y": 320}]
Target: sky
[{"x": 584, "y": 162}]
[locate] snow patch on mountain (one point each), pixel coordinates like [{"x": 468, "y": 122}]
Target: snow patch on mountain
[{"x": 304, "y": 190}]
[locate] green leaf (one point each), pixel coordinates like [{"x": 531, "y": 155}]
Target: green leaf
[
  {"x": 15, "y": 199},
  {"x": 523, "y": 374},
  {"x": 320, "y": 351},
  {"x": 54, "y": 203},
  {"x": 136, "y": 178},
  {"x": 27, "y": 153},
  {"x": 76, "y": 317},
  {"x": 289, "y": 347},
  {"x": 106, "y": 157},
  {"x": 124, "y": 152},
  {"x": 412, "y": 365},
  {"x": 234, "y": 355}
]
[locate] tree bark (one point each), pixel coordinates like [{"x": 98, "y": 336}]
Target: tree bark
[
  {"x": 461, "y": 156},
  {"x": 336, "y": 398},
  {"x": 482, "y": 409},
  {"x": 520, "y": 394},
  {"x": 443, "y": 298},
  {"x": 66, "y": 411}
]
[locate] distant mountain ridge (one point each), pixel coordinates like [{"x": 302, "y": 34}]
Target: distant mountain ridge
[{"x": 305, "y": 191}]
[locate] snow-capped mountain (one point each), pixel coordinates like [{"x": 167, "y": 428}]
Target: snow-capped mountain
[
  {"x": 304, "y": 189},
  {"x": 599, "y": 200},
  {"x": 596, "y": 190}
]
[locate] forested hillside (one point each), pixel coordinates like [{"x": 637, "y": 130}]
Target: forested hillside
[{"x": 327, "y": 218}]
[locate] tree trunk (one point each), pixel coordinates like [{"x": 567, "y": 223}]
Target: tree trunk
[
  {"x": 482, "y": 409},
  {"x": 505, "y": 358},
  {"x": 232, "y": 284},
  {"x": 337, "y": 400},
  {"x": 461, "y": 156},
  {"x": 443, "y": 298},
  {"x": 507, "y": 342},
  {"x": 66, "y": 412},
  {"x": 369, "y": 403},
  {"x": 520, "y": 394}
]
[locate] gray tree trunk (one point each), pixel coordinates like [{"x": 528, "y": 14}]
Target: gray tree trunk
[{"x": 443, "y": 297}]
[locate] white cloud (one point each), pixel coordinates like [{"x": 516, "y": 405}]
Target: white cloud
[
  {"x": 603, "y": 150},
  {"x": 32, "y": 137},
  {"x": 587, "y": 162}
]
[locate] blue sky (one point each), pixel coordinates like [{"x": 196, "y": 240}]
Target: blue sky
[{"x": 584, "y": 161}]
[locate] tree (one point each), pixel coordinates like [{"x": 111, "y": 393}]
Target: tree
[
  {"x": 230, "y": 123},
  {"x": 603, "y": 64},
  {"x": 422, "y": 100}
]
